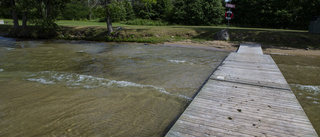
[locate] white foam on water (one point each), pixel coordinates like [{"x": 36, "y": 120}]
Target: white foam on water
[
  {"x": 73, "y": 80},
  {"x": 1, "y": 70},
  {"x": 177, "y": 61},
  {"x": 279, "y": 54},
  {"x": 307, "y": 67},
  {"x": 182, "y": 96},
  {"x": 308, "y": 97},
  {"x": 131, "y": 84},
  {"x": 10, "y": 49},
  {"x": 309, "y": 88},
  {"x": 316, "y": 102},
  {"x": 41, "y": 80}
]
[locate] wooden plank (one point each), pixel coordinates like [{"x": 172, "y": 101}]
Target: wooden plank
[
  {"x": 265, "y": 113},
  {"x": 224, "y": 115},
  {"x": 251, "y": 76},
  {"x": 253, "y": 58},
  {"x": 246, "y": 96},
  {"x": 245, "y": 93},
  {"x": 257, "y": 105},
  {"x": 250, "y": 49},
  {"x": 190, "y": 127},
  {"x": 236, "y": 88},
  {"x": 250, "y": 65},
  {"x": 245, "y": 127}
]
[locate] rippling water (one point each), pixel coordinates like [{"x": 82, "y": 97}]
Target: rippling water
[
  {"x": 303, "y": 76},
  {"x": 79, "y": 88}
]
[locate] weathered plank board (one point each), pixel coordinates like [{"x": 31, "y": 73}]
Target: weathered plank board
[
  {"x": 250, "y": 49},
  {"x": 246, "y": 96}
]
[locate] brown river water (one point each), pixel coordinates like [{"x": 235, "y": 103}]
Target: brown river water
[{"x": 80, "y": 88}]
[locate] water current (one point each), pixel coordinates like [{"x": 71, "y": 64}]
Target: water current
[
  {"x": 80, "y": 88},
  {"x": 303, "y": 75}
]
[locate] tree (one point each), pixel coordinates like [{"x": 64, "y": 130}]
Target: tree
[
  {"x": 26, "y": 7},
  {"x": 162, "y": 10},
  {"x": 129, "y": 10},
  {"x": 75, "y": 10},
  {"x": 198, "y": 12},
  {"x": 148, "y": 5},
  {"x": 14, "y": 14},
  {"x": 10, "y": 5},
  {"x": 111, "y": 10},
  {"x": 106, "y": 11},
  {"x": 146, "y": 9},
  {"x": 294, "y": 14},
  {"x": 47, "y": 12},
  {"x": 91, "y": 5}
]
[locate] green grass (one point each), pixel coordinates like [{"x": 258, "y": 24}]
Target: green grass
[
  {"x": 83, "y": 23},
  {"x": 68, "y": 23},
  {"x": 144, "y": 22}
]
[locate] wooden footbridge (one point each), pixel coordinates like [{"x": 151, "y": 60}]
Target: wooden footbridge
[{"x": 246, "y": 96}]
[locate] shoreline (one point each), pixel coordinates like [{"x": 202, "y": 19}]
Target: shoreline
[
  {"x": 230, "y": 46},
  {"x": 233, "y": 46}
]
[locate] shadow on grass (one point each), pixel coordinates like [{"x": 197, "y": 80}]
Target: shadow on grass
[
  {"x": 295, "y": 39},
  {"x": 203, "y": 33},
  {"x": 206, "y": 33}
]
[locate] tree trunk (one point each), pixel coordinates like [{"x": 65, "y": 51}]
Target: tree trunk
[
  {"x": 24, "y": 19},
  {"x": 14, "y": 15},
  {"x": 109, "y": 24},
  {"x": 91, "y": 7}
]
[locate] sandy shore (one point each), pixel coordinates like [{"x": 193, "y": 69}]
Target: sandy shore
[{"x": 233, "y": 46}]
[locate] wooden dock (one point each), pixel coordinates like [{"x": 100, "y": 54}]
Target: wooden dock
[{"x": 246, "y": 96}]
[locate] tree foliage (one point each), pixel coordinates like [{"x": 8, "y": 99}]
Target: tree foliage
[
  {"x": 292, "y": 14},
  {"x": 42, "y": 13},
  {"x": 198, "y": 12},
  {"x": 75, "y": 10}
]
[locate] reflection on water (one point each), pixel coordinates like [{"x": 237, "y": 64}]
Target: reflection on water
[
  {"x": 79, "y": 88},
  {"x": 303, "y": 73}
]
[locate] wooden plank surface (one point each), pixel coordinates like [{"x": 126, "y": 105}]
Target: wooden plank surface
[
  {"x": 246, "y": 96},
  {"x": 250, "y": 49}
]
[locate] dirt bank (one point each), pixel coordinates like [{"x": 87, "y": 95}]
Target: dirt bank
[
  {"x": 233, "y": 46},
  {"x": 218, "y": 45}
]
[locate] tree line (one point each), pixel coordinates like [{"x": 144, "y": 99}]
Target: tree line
[
  {"x": 42, "y": 13},
  {"x": 289, "y": 14}
]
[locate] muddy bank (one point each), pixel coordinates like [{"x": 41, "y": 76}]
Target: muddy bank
[
  {"x": 273, "y": 41},
  {"x": 233, "y": 46},
  {"x": 216, "y": 45}
]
